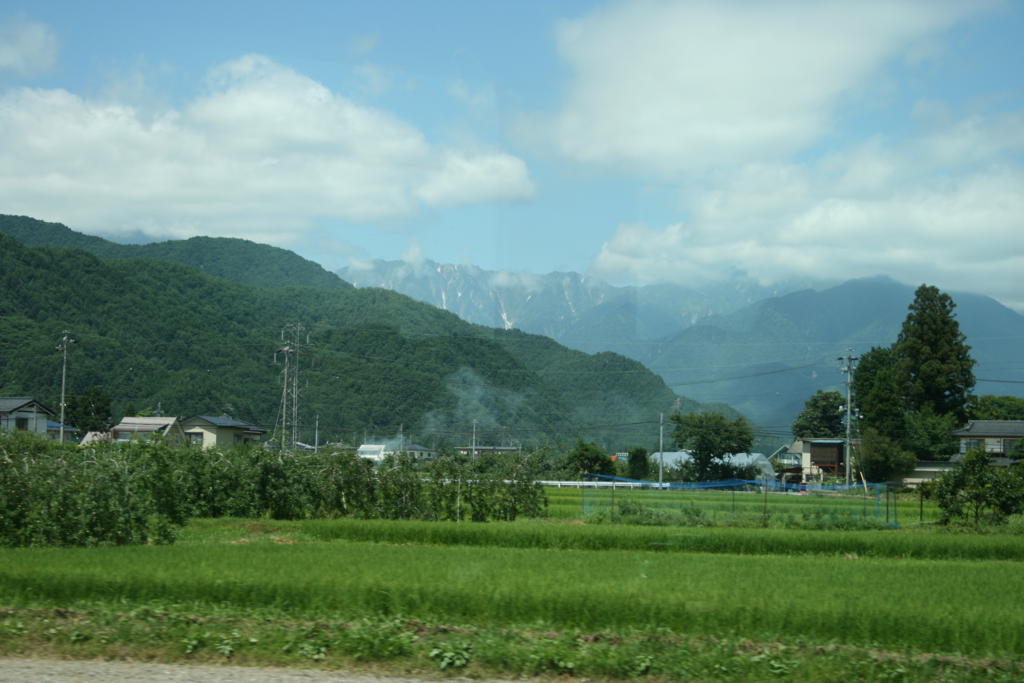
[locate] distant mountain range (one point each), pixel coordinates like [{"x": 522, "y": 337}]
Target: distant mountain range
[
  {"x": 154, "y": 330},
  {"x": 581, "y": 312},
  {"x": 763, "y": 351}
]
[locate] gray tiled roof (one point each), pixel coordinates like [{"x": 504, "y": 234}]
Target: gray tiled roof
[
  {"x": 9, "y": 404},
  {"x": 227, "y": 421}
]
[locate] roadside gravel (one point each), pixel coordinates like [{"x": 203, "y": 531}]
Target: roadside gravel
[{"x": 46, "y": 670}]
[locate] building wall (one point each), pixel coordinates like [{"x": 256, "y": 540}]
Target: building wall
[
  {"x": 35, "y": 420},
  {"x": 990, "y": 444},
  {"x": 207, "y": 434}
]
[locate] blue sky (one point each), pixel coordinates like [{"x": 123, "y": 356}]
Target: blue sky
[{"x": 635, "y": 141}]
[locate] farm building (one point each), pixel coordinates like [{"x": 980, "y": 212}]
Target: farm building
[{"x": 130, "y": 428}]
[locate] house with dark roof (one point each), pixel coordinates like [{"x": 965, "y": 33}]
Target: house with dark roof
[
  {"x": 24, "y": 413},
  {"x": 996, "y": 437},
  {"x": 223, "y": 431}
]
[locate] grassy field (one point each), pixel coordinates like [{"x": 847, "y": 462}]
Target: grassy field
[
  {"x": 532, "y": 598},
  {"x": 749, "y": 506}
]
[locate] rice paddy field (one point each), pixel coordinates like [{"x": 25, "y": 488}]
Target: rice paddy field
[
  {"x": 538, "y": 598},
  {"x": 748, "y": 505}
]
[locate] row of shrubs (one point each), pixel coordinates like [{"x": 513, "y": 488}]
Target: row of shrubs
[{"x": 52, "y": 494}]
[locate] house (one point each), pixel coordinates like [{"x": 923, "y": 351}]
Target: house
[
  {"x": 221, "y": 432},
  {"x": 820, "y": 457},
  {"x": 417, "y": 451},
  {"x": 995, "y": 437},
  {"x": 130, "y": 428},
  {"x": 24, "y": 413}
]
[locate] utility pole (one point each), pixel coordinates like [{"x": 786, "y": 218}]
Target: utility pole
[
  {"x": 474, "y": 439},
  {"x": 849, "y": 361},
  {"x": 661, "y": 447},
  {"x": 65, "y": 339}
]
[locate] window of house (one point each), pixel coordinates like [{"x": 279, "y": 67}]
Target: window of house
[
  {"x": 970, "y": 444},
  {"x": 21, "y": 423},
  {"x": 195, "y": 438}
]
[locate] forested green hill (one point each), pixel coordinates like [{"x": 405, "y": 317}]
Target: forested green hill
[
  {"x": 152, "y": 333},
  {"x": 243, "y": 261}
]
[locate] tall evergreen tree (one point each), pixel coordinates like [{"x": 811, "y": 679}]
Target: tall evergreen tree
[
  {"x": 933, "y": 362},
  {"x": 877, "y": 393}
]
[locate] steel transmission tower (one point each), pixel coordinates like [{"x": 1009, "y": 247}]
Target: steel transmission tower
[{"x": 286, "y": 427}]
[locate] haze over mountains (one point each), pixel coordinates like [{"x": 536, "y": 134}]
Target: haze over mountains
[
  {"x": 761, "y": 350},
  {"x": 579, "y": 311}
]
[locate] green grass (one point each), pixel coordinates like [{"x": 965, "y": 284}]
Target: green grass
[
  {"x": 534, "y": 597},
  {"x": 838, "y": 598},
  {"x": 920, "y": 544},
  {"x": 728, "y": 506}
]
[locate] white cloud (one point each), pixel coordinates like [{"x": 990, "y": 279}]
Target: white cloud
[
  {"x": 683, "y": 86},
  {"x": 466, "y": 179},
  {"x": 27, "y": 48},
  {"x": 508, "y": 279},
  {"x": 879, "y": 208},
  {"x": 262, "y": 153},
  {"x": 414, "y": 254}
]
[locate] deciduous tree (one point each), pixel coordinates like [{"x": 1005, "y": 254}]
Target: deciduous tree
[
  {"x": 822, "y": 416},
  {"x": 989, "y": 407},
  {"x": 709, "y": 437},
  {"x": 976, "y": 491},
  {"x": 587, "y": 458},
  {"x": 89, "y": 410},
  {"x": 881, "y": 458}
]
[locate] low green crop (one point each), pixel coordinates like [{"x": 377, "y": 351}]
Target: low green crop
[{"x": 929, "y": 605}]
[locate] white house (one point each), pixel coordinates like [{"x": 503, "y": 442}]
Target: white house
[
  {"x": 221, "y": 432},
  {"x": 24, "y": 413}
]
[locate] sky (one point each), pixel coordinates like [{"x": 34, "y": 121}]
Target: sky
[{"x": 638, "y": 142}]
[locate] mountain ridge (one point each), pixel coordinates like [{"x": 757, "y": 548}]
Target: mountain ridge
[
  {"x": 260, "y": 265},
  {"x": 160, "y": 333}
]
